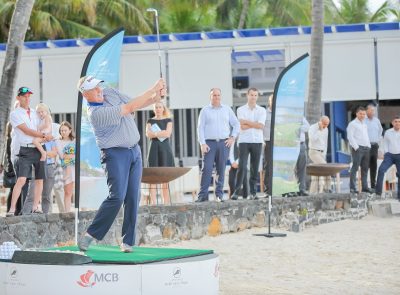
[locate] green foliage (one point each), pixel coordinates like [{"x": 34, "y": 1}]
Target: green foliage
[
  {"x": 53, "y": 19},
  {"x": 303, "y": 212},
  {"x": 357, "y": 11}
]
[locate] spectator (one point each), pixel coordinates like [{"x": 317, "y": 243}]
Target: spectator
[
  {"x": 357, "y": 135},
  {"x": 48, "y": 182},
  {"x": 66, "y": 151},
  {"x": 252, "y": 118},
  {"x": 24, "y": 121},
  {"x": 217, "y": 129},
  {"x": 301, "y": 163},
  {"x": 391, "y": 147},
  {"x": 375, "y": 130},
  {"x": 44, "y": 127},
  {"x": 234, "y": 161},
  {"x": 159, "y": 130},
  {"x": 318, "y": 146}
]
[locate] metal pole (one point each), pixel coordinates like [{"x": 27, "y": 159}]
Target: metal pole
[{"x": 376, "y": 72}]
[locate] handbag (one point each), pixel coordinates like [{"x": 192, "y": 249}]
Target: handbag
[{"x": 9, "y": 179}]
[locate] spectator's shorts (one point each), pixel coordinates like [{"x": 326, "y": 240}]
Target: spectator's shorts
[{"x": 27, "y": 157}]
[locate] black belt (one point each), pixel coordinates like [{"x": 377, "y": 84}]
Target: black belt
[
  {"x": 121, "y": 147},
  {"x": 28, "y": 145},
  {"x": 216, "y": 140},
  {"x": 51, "y": 164}
]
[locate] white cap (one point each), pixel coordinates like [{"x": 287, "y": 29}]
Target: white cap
[{"x": 89, "y": 83}]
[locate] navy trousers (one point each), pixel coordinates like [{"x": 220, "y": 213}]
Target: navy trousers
[
  {"x": 388, "y": 160},
  {"x": 217, "y": 154},
  {"x": 123, "y": 168}
]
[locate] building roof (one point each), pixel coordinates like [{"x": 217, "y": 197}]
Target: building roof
[{"x": 227, "y": 34}]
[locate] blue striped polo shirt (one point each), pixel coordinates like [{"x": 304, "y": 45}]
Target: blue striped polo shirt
[{"x": 111, "y": 128}]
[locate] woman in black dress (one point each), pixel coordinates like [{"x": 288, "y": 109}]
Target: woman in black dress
[{"x": 159, "y": 130}]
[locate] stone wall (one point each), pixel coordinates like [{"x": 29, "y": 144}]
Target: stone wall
[{"x": 166, "y": 224}]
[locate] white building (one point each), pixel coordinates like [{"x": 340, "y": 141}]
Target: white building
[{"x": 359, "y": 61}]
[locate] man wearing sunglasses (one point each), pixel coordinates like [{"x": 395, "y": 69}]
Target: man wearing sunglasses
[{"x": 25, "y": 121}]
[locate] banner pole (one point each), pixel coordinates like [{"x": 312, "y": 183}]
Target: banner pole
[{"x": 76, "y": 226}]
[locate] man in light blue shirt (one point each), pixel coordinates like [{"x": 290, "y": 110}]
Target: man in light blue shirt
[
  {"x": 375, "y": 130},
  {"x": 217, "y": 129}
]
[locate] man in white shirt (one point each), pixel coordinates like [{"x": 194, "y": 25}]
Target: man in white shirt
[
  {"x": 391, "y": 147},
  {"x": 318, "y": 146},
  {"x": 357, "y": 135},
  {"x": 301, "y": 163},
  {"x": 24, "y": 121},
  {"x": 252, "y": 119},
  {"x": 375, "y": 136}
]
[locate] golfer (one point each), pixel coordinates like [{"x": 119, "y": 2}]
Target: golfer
[{"x": 111, "y": 115}]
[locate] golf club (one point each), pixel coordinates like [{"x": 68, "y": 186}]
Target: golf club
[{"x": 153, "y": 10}]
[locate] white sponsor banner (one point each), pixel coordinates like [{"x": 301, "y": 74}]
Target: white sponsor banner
[
  {"x": 194, "y": 277},
  {"x": 23, "y": 279},
  {"x": 190, "y": 277},
  {"x": 3, "y": 276}
]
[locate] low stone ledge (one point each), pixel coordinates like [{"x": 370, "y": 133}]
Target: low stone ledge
[{"x": 165, "y": 224}]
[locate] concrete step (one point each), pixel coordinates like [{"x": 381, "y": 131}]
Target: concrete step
[{"x": 384, "y": 208}]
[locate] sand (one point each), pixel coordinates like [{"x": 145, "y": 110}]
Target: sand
[{"x": 346, "y": 257}]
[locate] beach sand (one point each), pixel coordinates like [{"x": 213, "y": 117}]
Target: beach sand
[{"x": 346, "y": 257}]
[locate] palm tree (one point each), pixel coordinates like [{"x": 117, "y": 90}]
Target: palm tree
[
  {"x": 243, "y": 14},
  {"x": 395, "y": 11},
  {"x": 126, "y": 13},
  {"x": 357, "y": 11},
  {"x": 186, "y": 16},
  {"x": 315, "y": 75},
  {"x": 289, "y": 12},
  {"x": 18, "y": 28},
  {"x": 79, "y": 18}
]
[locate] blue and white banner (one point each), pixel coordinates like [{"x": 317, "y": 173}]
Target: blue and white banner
[
  {"x": 103, "y": 62},
  {"x": 287, "y": 116}
]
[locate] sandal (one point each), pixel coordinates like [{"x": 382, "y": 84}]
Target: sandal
[
  {"x": 37, "y": 211},
  {"x": 10, "y": 214}
]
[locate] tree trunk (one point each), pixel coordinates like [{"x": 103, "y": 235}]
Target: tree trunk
[
  {"x": 315, "y": 76},
  {"x": 16, "y": 37},
  {"x": 243, "y": 14}
]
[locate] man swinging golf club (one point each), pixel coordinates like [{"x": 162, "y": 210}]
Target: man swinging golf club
[{"x": 111, "y": 115}]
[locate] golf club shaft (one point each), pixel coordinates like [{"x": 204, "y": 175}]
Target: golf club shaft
[{"x": 159, "y": 46}]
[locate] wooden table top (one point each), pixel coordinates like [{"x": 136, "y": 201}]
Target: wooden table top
[
  {"x": 157, "y": 175},
  {"x": 327, "y": 169}
]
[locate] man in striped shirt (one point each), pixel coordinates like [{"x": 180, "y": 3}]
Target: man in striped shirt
[{"x": 111, "y": 115}]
